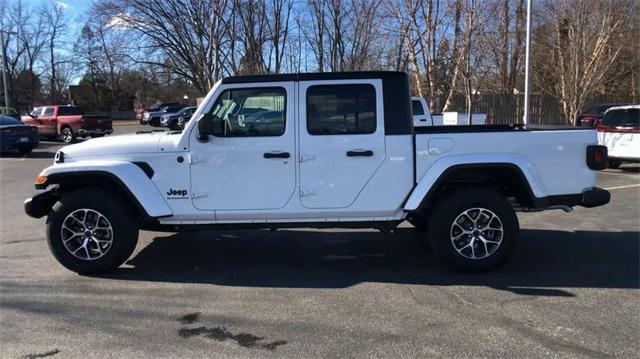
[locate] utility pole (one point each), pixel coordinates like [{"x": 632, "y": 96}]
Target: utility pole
[
  {"x": 5, "y": 88},
  {"x": 527, "y": 71},
  {"x": 4, "y": 73}
]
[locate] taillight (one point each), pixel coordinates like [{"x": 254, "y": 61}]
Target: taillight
[
  {"x": 601, "y": 128},
  {"x": 597, "y": 157}
]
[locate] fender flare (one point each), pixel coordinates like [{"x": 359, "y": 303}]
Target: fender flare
[
  {"x": 440, "y": 168},
  {"x": 130, "y": 177}
]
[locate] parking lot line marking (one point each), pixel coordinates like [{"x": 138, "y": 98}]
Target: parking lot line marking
[
  {"x": 617, "y": 174},
  {"x": 621, "y": 187}
]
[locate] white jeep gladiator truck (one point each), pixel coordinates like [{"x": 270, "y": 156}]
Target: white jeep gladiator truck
[{"x": 314, "y": 150}]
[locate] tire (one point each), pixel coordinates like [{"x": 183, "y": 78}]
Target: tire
[
  {"x": 102, "y": 250},
  {"x": 614, "y": 164},
  {"x": 461, "y": 206},
  {"x": 25, "y": 150},
  {"x": 67, "y": 135}
]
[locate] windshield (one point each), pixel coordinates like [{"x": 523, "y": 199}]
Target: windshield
[{"x": 622, "y": 118}]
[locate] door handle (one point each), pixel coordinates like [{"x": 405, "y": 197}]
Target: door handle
[
  {"x": 359, "y": 153},
  {"x": 276, "y": 155}
]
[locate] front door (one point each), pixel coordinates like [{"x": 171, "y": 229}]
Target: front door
[
  {"x": 47, "y": 121},
  {"x": 251, "y": 167},
  {"x": 341, "y": 140}
]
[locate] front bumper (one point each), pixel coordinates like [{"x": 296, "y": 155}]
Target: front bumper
[
  {"x": 95, "y": 132},
  {"x": 39, "y": 205}
]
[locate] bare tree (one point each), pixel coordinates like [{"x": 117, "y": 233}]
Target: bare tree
[
  {"x": 456, "y": 56},
  {"x": 584, "y": 47},
  {"x": 189, "y": 35},
  {"x": 55, "y": 21},
  {"x": 314, "y": 30},
  {"x": 278, "y": 28}
]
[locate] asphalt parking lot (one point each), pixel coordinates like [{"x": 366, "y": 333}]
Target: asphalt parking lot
[{"x": 570, "y": 290}]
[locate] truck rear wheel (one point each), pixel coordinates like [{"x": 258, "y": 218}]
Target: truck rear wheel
[
  {"x": 473, "y": 230},
  {"x": 91, "y": 231}
]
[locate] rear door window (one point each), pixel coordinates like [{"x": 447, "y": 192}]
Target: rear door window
[{"x": 341, "y": 109}]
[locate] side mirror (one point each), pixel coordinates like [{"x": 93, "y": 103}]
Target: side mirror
[
  {"x": 205, "y": 127},
  {"x": 209, "y": 125}
]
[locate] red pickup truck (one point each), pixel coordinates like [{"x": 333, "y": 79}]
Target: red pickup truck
[{"x": 68, "y": 122}]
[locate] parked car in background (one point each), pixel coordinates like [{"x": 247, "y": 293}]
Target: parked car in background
[
  {"x": 423, "y": 117},
  {"x": 9, "y": 111},
  {"x": 153, "y": 118},
  {"x": 592, "y": 117},
  {"x": 170, "y": 120},
  {"x": 140, "y": 113},
  {"x": 619, "y": 130},
  {"x": 15, "y": 135},
  {"x": 183, "y": 121},
  {"x": 68, "y": 122}
]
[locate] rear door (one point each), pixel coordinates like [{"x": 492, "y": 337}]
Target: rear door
[{"x": 341, "y": 140}]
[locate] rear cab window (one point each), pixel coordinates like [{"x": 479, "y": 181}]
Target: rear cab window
[{"x": 341, "y": 109}]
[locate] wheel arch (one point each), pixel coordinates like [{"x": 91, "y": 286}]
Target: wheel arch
[
  {"x": 506, "y": 177},
  {"x": 129, "y": 180}
]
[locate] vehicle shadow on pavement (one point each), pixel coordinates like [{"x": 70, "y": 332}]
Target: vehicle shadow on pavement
[{"x": 544, "y": 262}]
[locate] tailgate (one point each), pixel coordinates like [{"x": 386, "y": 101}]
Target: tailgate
[{"x": 94, "y": 122}]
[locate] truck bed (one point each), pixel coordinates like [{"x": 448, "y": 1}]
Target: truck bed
[
  {"x": 553, "y": 158},
  {"x": 496, "y": 128}
]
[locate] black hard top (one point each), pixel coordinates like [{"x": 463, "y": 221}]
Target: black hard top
[
  {"x": 396, "y": 97},
  {"x": 311, "y": 76}
]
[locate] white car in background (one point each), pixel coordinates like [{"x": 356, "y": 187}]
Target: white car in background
[
  {"x": 423, "y": 117},
  {"x": 619, "y": 130}
]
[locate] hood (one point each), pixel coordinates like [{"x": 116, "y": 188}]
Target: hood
[{"x": 115, "y": 145}]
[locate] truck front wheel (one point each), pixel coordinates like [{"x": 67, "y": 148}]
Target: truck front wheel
[
  {"x": 91, "y": 231},
  {"x": 473, "y": 230}
]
